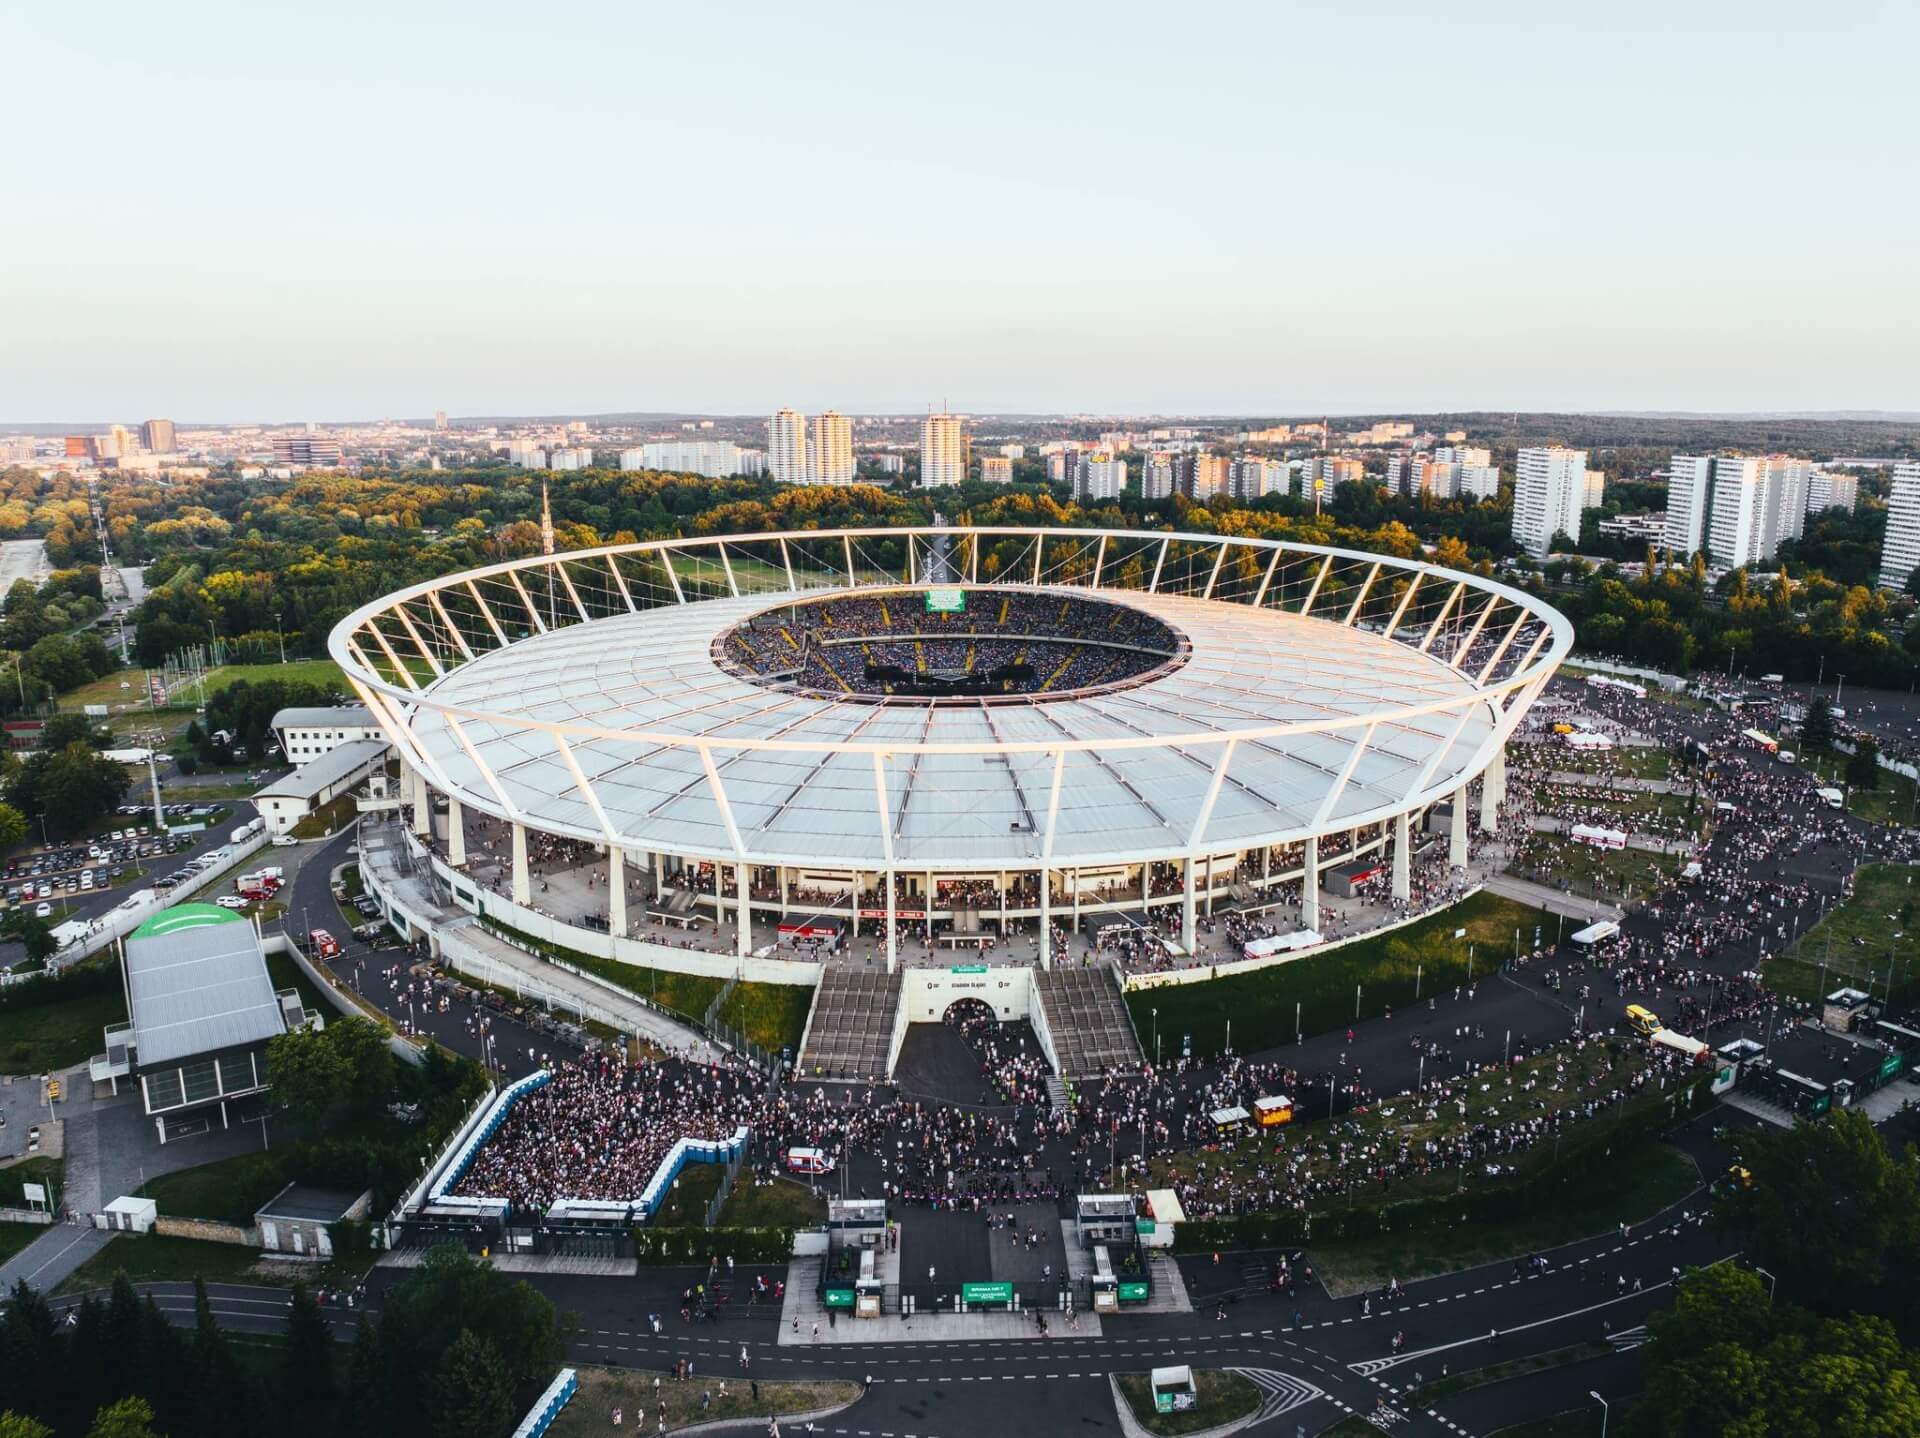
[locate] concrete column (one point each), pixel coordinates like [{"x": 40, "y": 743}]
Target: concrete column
[
  {"x": 744, "y": 945},
  {"x": 1076, "y": 901},
  {"x": 1209, "y": 886},
  {"x": 422, "y": 805},
  {"x": 1493, "y": 789},
  {"x": 616, "y": 891},
  {"x": 893, "y": 939},
  {"x": 1402, "y": 857},
  {"x": 522, "y": 880},
  {"x": 1186, "y": 906},
  {"x": 783, "y": 891},
  {"x": 456, "y": 834},
  {"x": 1046, "y": 920},
  {"x": 1457, "y": 830},
  {"x": 854, "y": 903},
  {"x": 1310, "y": 886}
]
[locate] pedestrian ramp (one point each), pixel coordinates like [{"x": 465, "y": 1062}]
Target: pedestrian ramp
[
  {"x": 1088, "y": 1019},
  {"x": 850, "y": 1035}
]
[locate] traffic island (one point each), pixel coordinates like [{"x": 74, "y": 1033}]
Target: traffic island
[
  {"x": 641, "y": 1395},
  {"x": 1184, "y": 1403}
]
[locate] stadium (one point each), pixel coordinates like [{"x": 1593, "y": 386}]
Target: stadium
[{"x": 967, "y": 743}]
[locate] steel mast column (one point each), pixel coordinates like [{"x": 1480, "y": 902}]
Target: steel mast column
[
  {"x": 456, "y": 834},
  {"x": 744, "y": 945},
  {"x": 616, "y": 891},
  {"x": 1402, "y": 857},
  {"x": 1186, "y": 906},
  {"x": 522, "y": 881},
  {"x": 1310, "y": 886},
  {"x": 1493, "y": 789},
  {"x": 1046, "y": 920},
  {"x": 1457, "y": 830}
]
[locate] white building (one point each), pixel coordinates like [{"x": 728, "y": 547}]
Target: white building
[
  {"x": 570, "y": 459},
  {"x": 1464, "y": 456},
  {"x": 787, "y": 447},
  {"x": 527, "y": 455},
  {"x": 307, "y": 733},
  {"x": 1099, "y": 476},
  {"x": 830, "y": 449},
  {"x": 1901, "y": 554},
  {"x": 1831, "y": 491},
  {"x": 1593, "y": 495},
  {"x": 1479, "y": 481},
  {"x": 1254, "y": 476},
  {"x": 996, "y": 469},
  {"x": 711, "y": 458},
  {"x": 1738, "y": 509},
  {"x": 1549, "y": 487},
  {"x": 319, "y": 782},
  {"x": 943, "y": 450}
]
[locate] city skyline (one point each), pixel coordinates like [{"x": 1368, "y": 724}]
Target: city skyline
[{"x": 697, "y": 265}]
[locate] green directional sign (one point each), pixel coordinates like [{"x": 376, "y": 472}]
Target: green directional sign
[
  {"x": 1890, "y": 1065},
  {"x": 986, "y": 1292},
  {"x": 1133, "y": 1291},
  {"x": 968, "y": 969},
  {"x": 839, "y": 1298}
]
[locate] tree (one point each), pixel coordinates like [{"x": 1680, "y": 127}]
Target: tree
[
  {"x": 362, "y": 1048},
  {"x": 308, "y": 1371},
  {"x": 13, "y": 826},
  {"x": 17, "y": 1425},
  {"x": 1863, "y": 764},
  {"x": 471, "y": 1391},
  {"x": 1816, "y": 730},
  {"x": 32, "y": 931},
  {"x": 64, "y": 729},
  {"x": 1832, "y": 1211},
  {"x": 308, "y": 1075},
  {"x": 219, "y": 1392},
  {"x": 1726, "y": 1363},
  {"x": 129, "y": 1418}
]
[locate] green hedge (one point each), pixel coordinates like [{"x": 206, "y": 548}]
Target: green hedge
[
  {"x": 1622, "y": 1140},
  {"x": 687, "y": 1246}
]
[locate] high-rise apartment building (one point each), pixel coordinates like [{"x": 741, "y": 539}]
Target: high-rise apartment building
[
  {"x": 1159, "y": 475},
  {"x": 1737, "y": 509},
  {"x": 1900, "y": 555},
  {"x": 1320, "y": 476},
  {"x": 1479, "y": 481},
  {"x": 1210, "y": 475},
  {"x": 830, "y": 449},
  {"x": 1594, "y": 491},
  {"x": 1254, "y": 476},
  {"x": 1549, "y": 486},
  {"x": 1464, "y": 456},
  {"x": 787, "y": 447},
  {"x": 570, "y": 459},
  {"x": 710, "y": 458},
  {"x": 307, "y": 450},
  {"x": 1098, "y": 476},
  {"x": 157, "y": 436},
  {"x": 996, "y": 469},
  {"x": 943, "y": 450},
  {"x": 1831, "y": 491}
]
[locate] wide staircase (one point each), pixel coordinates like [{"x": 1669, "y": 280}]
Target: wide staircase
[
  {"x": 852, "y": 1027},
  {"x": 1088, "y": 1020}
]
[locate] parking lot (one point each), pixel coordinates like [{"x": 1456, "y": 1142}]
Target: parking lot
[{"x": 49, "y": 875}]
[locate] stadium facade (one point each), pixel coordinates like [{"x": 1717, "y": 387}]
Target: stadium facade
[{"x": 988, "y": 730}]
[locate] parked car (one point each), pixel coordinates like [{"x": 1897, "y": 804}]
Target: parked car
[{"x": 43, "y": 911}]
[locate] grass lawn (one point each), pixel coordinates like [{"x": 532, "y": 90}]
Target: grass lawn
[
  {"x": 57, "y": 1035},
  {"x": 298, "y": 671},
  {"x": 227, "y": 1191},
  {"x": 1634, "y": 1192},
  {"x": 632, "y": 1390},
  {"x": 15, "y": 1236},
  {"x": 1890, "y": 803},
  {"x": 760, "y": 1204},
  {"x": 284, "y": 973},
  {"x": 773, "y": 1015},
  {"x": 49, "y": 1173},
  {"x": 327, "y": 819},
  {"x": 1260, "y": 1005},
  {"x": 687, "y": 994},
  {"x": 1575, "y": 868},
  {"x": 1856, "y": 939},
  {"x": 351, "y": 883},
  {"x": 686, "y": 1203},
  {"x": 1631, "y": 763},
  {"x": 1220, "y": 1397},
  {"x": 148, "y": 1258}
]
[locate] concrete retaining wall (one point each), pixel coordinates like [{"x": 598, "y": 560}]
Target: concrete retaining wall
[{"x": 206, "y": 1230}]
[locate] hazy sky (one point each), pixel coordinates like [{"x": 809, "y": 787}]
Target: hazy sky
[{"x": 232, "y": 211}]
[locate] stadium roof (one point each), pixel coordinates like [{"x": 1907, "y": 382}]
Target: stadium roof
[
  {"x": 198, "y": 984},
  {"x": 654, "y": 671}
]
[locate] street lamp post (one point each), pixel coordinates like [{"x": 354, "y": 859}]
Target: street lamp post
[
  {"x": 1771, "y": 1281},
  {"x": 281, "y": 637},
  {"x": 1604, "y": 1411}
]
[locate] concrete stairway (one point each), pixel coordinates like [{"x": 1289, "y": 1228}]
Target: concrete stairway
[
  {"x": 852, "y": 1027},
  {"x": 1088, "y": 1020}
]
